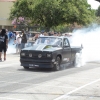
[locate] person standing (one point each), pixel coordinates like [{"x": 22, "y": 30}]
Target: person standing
[
  {"x": 7, "y": 33},
  {"x": 24, "y": 40},
  {"x": 3, "y": 43},
  {"x": 18, "y": 42}
]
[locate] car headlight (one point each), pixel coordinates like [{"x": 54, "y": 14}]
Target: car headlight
[
  {"x": 49, "y": 55},
  {"x": 53, "y": 60},
  {"x": 22, "y": 54}
]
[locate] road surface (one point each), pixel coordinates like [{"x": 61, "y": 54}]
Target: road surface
[{"x": 16, "y": 83}]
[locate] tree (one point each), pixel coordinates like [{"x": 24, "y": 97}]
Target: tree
[
  {"x": 51, "y": 13},
  {"x": 98, "y": 15},
  {"x": 20, "y": 8},
  {"x": 54, "y": 12},
  {"x": 98, "y": 12},
  {"x": 77, "y": 11},
  {"x": 48, "y": 13}
]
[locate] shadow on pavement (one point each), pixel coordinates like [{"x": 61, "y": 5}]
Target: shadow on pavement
[{"x": 46, "y": 70}]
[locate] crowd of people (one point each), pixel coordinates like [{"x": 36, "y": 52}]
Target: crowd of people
[{"x": 18, "y": 39}]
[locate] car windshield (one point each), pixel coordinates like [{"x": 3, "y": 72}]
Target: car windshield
[{"x": 49, "y": 41}]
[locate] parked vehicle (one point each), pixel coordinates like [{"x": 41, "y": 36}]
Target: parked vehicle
[{"x": 50, "y": 52}]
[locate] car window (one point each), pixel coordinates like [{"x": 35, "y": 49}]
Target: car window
[
  {"x": 49, "y": 41},
  {"x": 66, "y": 42}
]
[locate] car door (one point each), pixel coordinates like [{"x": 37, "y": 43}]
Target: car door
[{"x": 66, "y": 51}]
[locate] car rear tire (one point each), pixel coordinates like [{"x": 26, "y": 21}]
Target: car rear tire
[
  {"x": 26, "y": 67},
  {"x": 57, "y": 64},
  {"x": 78, "y": 60}
]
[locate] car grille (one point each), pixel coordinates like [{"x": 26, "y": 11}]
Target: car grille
[{"x": 35, "y": 55}]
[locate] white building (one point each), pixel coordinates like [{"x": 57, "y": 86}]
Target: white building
[{"x": 5, "y": 6}]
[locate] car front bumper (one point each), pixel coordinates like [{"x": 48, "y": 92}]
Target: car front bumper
[{"x": 37, "y": 63}]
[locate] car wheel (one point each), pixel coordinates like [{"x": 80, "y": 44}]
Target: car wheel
[
  {"x": 57, "y": 64},
  {"x": 26, "y": 67},
  {"x": 78, "y": 60}
]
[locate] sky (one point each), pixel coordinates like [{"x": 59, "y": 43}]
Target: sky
[{"x": 94, "y": 4}]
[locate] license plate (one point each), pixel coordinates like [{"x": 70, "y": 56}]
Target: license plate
[{"x": 31, "y": 65}]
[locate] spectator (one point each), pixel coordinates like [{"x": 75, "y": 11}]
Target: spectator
[
  {"x": 59, "y": 34},
  {"x": 41, "y": 35},
  {"x": 18, "y": 42},
  {"x": 24, "y": 40},
  {"x": 3, "y": 43},
  {"x": 36, "y": 36},
  {"x": 45, "y": 34},
  {"x": 7, "y": 35},
  {"x": 55, "y": 34},
  {"x": 52, "y": 33},
  {"x": 10, "y": 34}
]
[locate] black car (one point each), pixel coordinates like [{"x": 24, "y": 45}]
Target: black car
[{"x": 50, "y": 52}]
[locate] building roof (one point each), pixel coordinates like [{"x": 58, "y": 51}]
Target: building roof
[{"x": 7, "y": 0}]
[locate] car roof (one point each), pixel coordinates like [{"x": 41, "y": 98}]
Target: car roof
[
  {"x": 48, "y": 36},
  {"x": 55, "y": 36}
]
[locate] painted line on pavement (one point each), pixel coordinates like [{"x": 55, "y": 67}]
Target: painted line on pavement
[{"x": 67, "y": 94}]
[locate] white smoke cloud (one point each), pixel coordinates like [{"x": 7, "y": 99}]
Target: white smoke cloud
[
  {"x": 90, "y": 39},
  {"x": 11, "y": 47}
]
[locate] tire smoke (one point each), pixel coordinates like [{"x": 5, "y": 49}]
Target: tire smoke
[
  {"x": 90, "y": 40},
  {"x": 11, "y": 47}
]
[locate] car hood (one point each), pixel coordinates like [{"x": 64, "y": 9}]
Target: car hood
[{"x": 42, "y": 47}]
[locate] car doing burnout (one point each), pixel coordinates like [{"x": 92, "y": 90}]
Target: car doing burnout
[{"x": 50, "y": 52}]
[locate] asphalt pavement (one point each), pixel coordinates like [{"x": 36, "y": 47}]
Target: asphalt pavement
[{"x": 71, "y": 83}]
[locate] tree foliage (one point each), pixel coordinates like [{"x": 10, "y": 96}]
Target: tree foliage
[
  {"x": 98, "y": 12},
  {"x": 51, "y": 13},
  {"x": 98, "y": 15},
  {"x": 48, "y": 13},
  {"x": 77, "y": 11}
]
